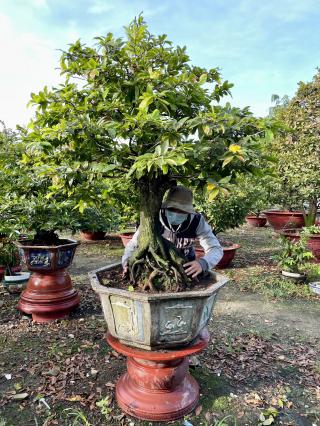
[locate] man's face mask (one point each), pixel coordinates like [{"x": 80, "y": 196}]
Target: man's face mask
[{"x": 176, "y": 218}]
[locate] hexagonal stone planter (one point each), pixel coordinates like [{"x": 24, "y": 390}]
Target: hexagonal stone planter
[{"x": 156, "y": 320}]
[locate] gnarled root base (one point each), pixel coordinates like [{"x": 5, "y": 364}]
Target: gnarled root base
[{"x": 158, "y": 266}]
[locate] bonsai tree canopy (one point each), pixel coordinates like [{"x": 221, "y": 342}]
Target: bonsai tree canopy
[{"x": 146, "y": 116}]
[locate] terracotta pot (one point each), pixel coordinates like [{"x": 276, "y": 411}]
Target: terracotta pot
[
  {"x": 282, "y": 219},
  {"x": 157, "y": 385},
  {"x": 156, "y": 320},
  {"x": 126, "y": 237},
  {"x": 256, "y": 221},
  {"x": 49, "y": 294},
  {"x": 291, "y": 234},
  {"x": 314, "y": 246},
  {"x": 227, "y": 258},
  {"x": 92, "y": 235},
  {"x": 113, "y": 239},
  {"x": 313, "y": 242},
  {"x": 13, "y": 269}
]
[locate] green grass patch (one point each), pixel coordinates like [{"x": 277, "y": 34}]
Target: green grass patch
[{"x": 270, "y": 284}]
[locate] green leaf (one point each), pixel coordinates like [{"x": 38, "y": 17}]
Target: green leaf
[
  {"x": 165, "y": 168},
  {"x": 146, "y": 101},
  {"x": 203, "y": 78},
  {"x": 213, "y": 194},
  {"x": 158, "y": 150},
  {"x": 207, "y": 130},
  {"x": 180, "y": 161},
  {"x": 164, "y": 146},
  {"x": 181, "y": 122},
  {"x": 227, "y": 160}
]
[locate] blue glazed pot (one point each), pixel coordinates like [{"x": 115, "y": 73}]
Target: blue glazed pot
[{"x": 47, "y": 258}]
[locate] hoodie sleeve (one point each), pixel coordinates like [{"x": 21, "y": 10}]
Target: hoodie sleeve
[
  {"x": 212, "y": 248},
  {"x": 130, "y": 248}
]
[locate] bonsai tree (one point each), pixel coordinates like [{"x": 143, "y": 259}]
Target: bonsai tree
[
  {"x": 227, "y": 211},
  {"x": 9, "y": 254},
  {"x": 294, "y": 255},
  {"x": 98, "y": 220},
  {"x": 10, "y": 153},
  {"x": 42, "y": 218},
  {"x": 298, "y": 146},
  {"x": 145, "y": 116}
]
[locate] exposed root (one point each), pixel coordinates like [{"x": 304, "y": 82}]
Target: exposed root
[
  {"x": 134, "y": 270},
  {"x": 149, "y": 285},
  {"x": 153, "y": 271}
]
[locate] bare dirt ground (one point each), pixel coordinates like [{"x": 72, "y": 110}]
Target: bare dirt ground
[{"x": 261, "y": 367}]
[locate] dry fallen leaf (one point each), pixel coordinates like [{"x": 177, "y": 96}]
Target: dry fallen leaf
[
  {"x": 198, "y": 410},
  {"x": 74, "y": 398},
  {"x": 20, "y": 396}
]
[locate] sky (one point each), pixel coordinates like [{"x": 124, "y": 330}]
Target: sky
[{"x": 262, "y": 47}]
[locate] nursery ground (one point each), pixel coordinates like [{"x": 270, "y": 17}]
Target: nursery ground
[{"x": 263, "y": 357}]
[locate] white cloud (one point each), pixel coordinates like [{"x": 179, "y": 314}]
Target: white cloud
[
  {"x": 100, "y": 6},
  {"x": 284, "y": 10},
  {"x": 28, "y": 64},
  {"x": 40, "y": 4},
  {"x": 72, "y": 33}
]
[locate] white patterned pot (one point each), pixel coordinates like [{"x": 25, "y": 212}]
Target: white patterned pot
[
  {"x": 157, "y": 320},
  {"x": 315, "y": 287},
  {"x": 16, "y": 283}
]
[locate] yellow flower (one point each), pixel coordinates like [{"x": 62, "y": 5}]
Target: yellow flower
[{"x": 235, "y": 148}]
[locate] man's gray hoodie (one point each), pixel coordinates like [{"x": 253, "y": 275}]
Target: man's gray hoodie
[{"x": 203, "y": 232}]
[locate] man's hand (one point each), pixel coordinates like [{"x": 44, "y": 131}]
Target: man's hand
[
  {"x": 125, "y": 272},
  {"x": 193, "y": 268}
]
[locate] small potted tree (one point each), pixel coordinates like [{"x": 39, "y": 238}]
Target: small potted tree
[
  {"x": 95, "y": 222},
  {"x": 49, "y": 294},
  {"x": 313, "y": 238},
  {"x": 293, "y": 258},
  {"x": 258, "y": 191},
  {"x": 285, "y": 213},
  {"x": 10, "y": 267},
  {"x": 227, "y": 211}
]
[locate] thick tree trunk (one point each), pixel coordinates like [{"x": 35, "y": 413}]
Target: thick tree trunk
[
  {"x": 310, "y": 217},
  {"x": 155, "y": 264}
]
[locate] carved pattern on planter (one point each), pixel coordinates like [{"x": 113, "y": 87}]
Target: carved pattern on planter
[
  {"x": 176, "y": 319},
  {"x": 206, "y": 313},
  {"x": 124, "y": 316},
  {"x": 64, "y": 257},
  {"x": 40, "y": 258}
]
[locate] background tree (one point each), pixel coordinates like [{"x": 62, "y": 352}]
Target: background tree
[
  {"x": 228, "y": 210},
  {"x": 298, "y": 146},
  {"x": 142, "y": 113}
]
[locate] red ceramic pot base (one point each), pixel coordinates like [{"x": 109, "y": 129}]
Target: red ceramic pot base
[
  {"x": 49, "y": 296},
  {"x": 157, "y": 385},
  {"x": 153, "y": 406}
]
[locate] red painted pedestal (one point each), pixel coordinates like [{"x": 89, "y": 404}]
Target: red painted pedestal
[
  {"x": 157, "y": 385},
  {"x": 49, "y": 296}
]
